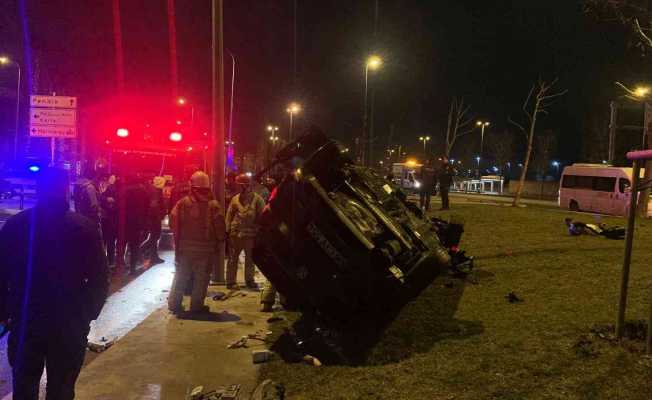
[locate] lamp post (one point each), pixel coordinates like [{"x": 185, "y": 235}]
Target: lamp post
[
  {"x": 425, "y": 140},
  {"x": 373, "y": 62},
  {"x": 8, "y": 61},
  {"x": 292, "y": 109}
]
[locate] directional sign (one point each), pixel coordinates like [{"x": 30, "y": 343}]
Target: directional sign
[
  {"x": 53, "y": 101},
  {"x": 49, "y": 117},
  {"x": 66, "y": 132}
]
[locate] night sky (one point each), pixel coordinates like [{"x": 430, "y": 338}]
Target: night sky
[{"x": 489, "y": 52}]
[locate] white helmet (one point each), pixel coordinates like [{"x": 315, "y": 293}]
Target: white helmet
[{"x": 200, "y": 180}]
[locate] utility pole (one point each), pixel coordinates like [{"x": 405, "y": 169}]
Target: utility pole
[
  {"x": 217, "y": 121},
  {"x": 612, "y": 130}
]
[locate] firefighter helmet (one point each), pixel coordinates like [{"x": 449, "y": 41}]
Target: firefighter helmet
[{"x": 200, "y": 180}]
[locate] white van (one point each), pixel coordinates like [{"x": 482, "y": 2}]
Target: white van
[
  {"x": 405, "y": 175},
  {"x": 597, "y": 188}
]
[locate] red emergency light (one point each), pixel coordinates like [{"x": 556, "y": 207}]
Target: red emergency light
[
  {"x": 122, "y": 132},
  {"x": 176, "y": 136}
]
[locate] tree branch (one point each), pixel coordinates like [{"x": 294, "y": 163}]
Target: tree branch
[{"x": 516, "y": 124}]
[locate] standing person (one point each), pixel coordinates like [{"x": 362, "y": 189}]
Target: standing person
[
  {"x": 197, "y": 221},
  {"x": 53, "y": 283},
  {"x": 155, "y": 214},
  {"x": 109, "y": 205},
  {"x": 445, "y": 178},
  {"x": 133, "y": 204},
  {"x": 427, "y": 177},
  {"x": 244, "y": 210},
  {"x": 86, "y": 196}
]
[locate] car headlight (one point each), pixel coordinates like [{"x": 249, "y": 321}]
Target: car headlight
[{"x": 417, "y": 184}]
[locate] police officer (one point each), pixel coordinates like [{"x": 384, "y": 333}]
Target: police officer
[
  {"x": 86, "y": 196},
  {"x": 155, "y": 214},
  {"x": 241, "y": 218},
  {"x": 53, "y": 283},
  {"x": 427, "y": 176},
  {"x": 197, "y": 221}
]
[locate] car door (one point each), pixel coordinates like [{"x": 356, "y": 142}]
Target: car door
[
  {"x": 603, "y": 197},
  {"x": 622, "y": 196}
]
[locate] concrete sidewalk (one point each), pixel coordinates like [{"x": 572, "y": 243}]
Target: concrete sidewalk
[{"x": 165, "y": 357}]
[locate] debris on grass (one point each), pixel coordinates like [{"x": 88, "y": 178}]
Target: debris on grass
[
  {"x": 275, "y": 319},
  {"x": 311, "y": 360},
  {"x": 261, "y": 356},
  {"x": 269, "y": 390},
  {"x": 242, "y": 342},
  {"x": 632, "y": 330},
  {"x": 584, "y": 348},
  {"x": 513, "y": 298},
  {"x": 219, "y": 296}
]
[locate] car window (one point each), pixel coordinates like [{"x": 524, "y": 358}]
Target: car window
[
  {"x": 604, "y": 184},
  {"x": 623, "y": 184}
]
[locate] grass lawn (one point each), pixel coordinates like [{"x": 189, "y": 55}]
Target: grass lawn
[{"x": 468, "y": 342}]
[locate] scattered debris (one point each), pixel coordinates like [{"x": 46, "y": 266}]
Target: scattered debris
[
  {"x": 576, "y": 228},
  {"x": 261, "y": 356},
  {"x": 274, "y": 319},
  {"x": 310, "y": 360},
  {"x": 269, "y": 390},
  {"x": 222, "y": 393},
  {"x": 584, "y": 348},
  {"x": 605, "y": 332},
  {"x": 197, "y": 393},
  {"x": 632, "y": 330},
  {"x": 99, "y": 347},
  {"x": 218, "y": 296},
  {"x": 513, "y": 298},
  {"x": 242, "y": 342}
]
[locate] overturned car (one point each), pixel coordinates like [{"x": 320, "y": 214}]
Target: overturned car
[{"x": 339, "y": 240}]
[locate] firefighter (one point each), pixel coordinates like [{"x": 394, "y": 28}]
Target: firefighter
[
  {"x": 53, "y": 283},
  {"x": 197, "y": 221},
  {"x": 241, "y": 218}
]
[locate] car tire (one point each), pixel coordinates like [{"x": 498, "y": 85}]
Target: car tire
[{"x": 573, "y": 206}]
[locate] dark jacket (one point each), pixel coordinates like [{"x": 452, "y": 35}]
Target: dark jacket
[
  {"x": 55, "y": 258},
  {"x": 87, "y": 199},
  {"x": 445, "y": 177},
  {"x": 427, "y": 177}
]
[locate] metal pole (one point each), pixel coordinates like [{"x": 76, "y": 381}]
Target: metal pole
[
  {"x": 629, "y": 238},
  {"x": 364, "y": 117},
  {"x": 290, "y": 134},
  {"x": 612, "y": 131},
  {"x": 217, "y": 122},
  {"x": 232, "y": 93},
  {"x": 17, "y": 113}
]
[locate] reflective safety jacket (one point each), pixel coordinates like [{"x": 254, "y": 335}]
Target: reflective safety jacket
[{"x": 198, "y": 226}]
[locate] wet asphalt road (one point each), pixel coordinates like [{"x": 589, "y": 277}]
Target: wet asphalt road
[{"x": 133, "y": 299}]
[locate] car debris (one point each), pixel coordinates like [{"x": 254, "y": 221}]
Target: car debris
[
  {"x": 222, "y": 393},
  {"x": 261, "y": 356},
  {"x": 513, "y": 298},
  {"x": 269, "y": 390},
  {"x": 100, "y": 347},
  {"x": 576, "y": 228}
]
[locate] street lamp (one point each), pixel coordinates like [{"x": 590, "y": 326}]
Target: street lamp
[
  {"x": 5, "y": 61},
  {"x": 556, "y": 165},
  {"x": 181, "y": 102},
  {"x": 641, "y": 91},
  {"x": 424, "y": 139},
  {"x": 373, "y": 62},
  {"x": 292, "y": 109}
]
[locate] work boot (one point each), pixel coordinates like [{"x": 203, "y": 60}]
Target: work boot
[{"x": 203, "y": 309}]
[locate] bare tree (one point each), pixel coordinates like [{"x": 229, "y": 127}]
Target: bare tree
[
  {"x": 501, "y": 147},
  {"x": 459, "y": 123},
  {"x": 538, "y": 100},
  {"x": 542, "y": 155}
]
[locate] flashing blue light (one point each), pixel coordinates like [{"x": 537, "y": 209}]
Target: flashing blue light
[
  {"x": 555, "y": 163},
  {"x": 495, "y": 169},
  {"x": 34, "y": 168}
]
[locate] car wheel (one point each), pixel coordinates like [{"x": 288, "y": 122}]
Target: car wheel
[{"x": 573, "y": 206}]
